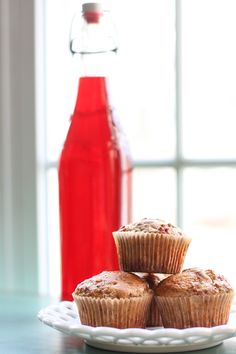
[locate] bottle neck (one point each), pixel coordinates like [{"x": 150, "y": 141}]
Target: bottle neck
[
  {"x": 95, "y": 64},
  {"x": 92, "y": 95},
  {"x": 96, "y": 78}
]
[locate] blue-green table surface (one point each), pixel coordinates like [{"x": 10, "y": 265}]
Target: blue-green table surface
[{"x": 21, "y": 332}]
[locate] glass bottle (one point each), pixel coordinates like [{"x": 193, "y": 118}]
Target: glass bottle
[{"x": 95, "y": 165}]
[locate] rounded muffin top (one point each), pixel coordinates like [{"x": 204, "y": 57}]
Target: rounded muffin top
[
  {"x": 193, "y": 281},
  {"x": 115, "y": 284},
  {"x": 152, "y": 225},
  {"x": 153, "y": 279}
]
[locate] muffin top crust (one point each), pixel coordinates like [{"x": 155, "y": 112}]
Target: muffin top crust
[
  {"x": 152, "y": 226},
  {"x": 113, "y": 284},
  {"x": 193, "y": 281}
]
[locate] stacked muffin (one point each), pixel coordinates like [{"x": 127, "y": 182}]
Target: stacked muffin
[
  {"x": 152, "y": 246},
  {"x": 113, "y": 299},
  {"x": 150, "y": 289},
  {"x": 194, "y": 298}
]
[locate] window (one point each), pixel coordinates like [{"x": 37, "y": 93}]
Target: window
[{"x": 178, "y": 76}]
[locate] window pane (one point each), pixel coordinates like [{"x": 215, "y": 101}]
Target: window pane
[
  {"x": 146, "y": 62},
  {"x": 145, "y": 66},
  {"x": 209, "y": 78},
  {"x": 154, "y": 193},
  {"x": 210, "y": 218}
]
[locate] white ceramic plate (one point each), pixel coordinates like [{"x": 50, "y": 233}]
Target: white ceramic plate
[{"x": 64, "y": 317}]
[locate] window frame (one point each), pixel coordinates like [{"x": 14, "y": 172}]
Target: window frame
[{"x": 18, "y": 200}]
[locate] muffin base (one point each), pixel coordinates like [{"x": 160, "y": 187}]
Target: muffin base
[
  {"x": 195, "y": 310},
  {"x": 119, "y": 313},
  {"x": 149, "y": 252}
]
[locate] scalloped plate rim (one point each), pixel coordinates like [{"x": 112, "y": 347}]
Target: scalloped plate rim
[{"x": 63, "y": 317}]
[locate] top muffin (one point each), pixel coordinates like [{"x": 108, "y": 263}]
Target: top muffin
[
  {"x": 152, "y": 246},
  {"x": 194, "y": 281}
]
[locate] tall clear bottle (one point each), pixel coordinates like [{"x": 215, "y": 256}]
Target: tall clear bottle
[{"x": 95, "y": 165}]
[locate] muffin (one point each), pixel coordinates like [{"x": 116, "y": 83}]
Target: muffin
[
  {"x": 152, "y": 246},
  {"x": 194, "y": 298},
  {"x": 153, "y": 279},
  {"x": 113, "y": 299}
]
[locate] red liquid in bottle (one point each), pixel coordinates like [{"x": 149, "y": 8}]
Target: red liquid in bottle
[{"x": 92, "y": 172}]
